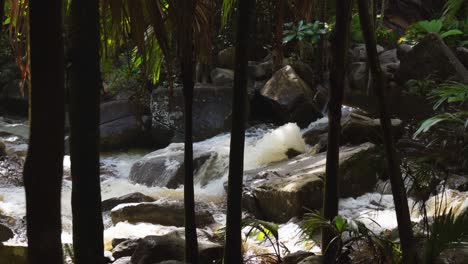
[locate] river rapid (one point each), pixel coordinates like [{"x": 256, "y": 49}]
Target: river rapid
[{"x": 264, "y": 144}]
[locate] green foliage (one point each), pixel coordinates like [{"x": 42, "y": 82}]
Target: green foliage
[
  {"x": 451, "y": 8},
  {"x": 312, "y": 32},
  {"x": 386, "y": 37},
  {"x": 421, "y": 87},
  {"x": 264, "y": 230},
  {"x": 447, "y": 231},
  {"x": 350, "y": 234},
  {"x": 448, "y": 93},
  {"x": 226, "y": 9},
  {"x": 420, "y": 29},
  {"x": 356, "y": 31}
]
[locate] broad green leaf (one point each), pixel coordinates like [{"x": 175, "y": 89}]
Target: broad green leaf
[
  {"x": 451, "y": 33},
  {"x": 427, "y": 124}
]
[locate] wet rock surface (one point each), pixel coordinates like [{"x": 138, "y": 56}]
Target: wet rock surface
[
  {"x": 155, "y": 249},
  {"x": 355, "y": 129},
  {"x": 166, "y": 169},
  {"x": 211, "y": 112},
  {"x": 294, "y": 100},
  {"x": 162, "y": 213},
  {"x": 129, "y": 198},
  {"x": 282, "y": 190}
]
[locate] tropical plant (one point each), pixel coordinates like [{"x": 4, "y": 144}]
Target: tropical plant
[
  {"x": 350, "y": 236},
  {"x": 263, "y": 230},
  {"x": 451, "y": 8},
  {"x": 454, "y": 93},
  {"x": 447, "y": 231},
  {"x": 303, "y": 31}
]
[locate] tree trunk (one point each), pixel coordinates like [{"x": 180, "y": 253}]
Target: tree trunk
[
  {"x": 85, "y": 83},
  {"x": 43, "y": 169},
  {"x": 2, "y": 14},
  {"x": 233, "y": 247},
  {"x": 322, "y": 45},
  {"x": 187, "y": 61},
  {"x": 396, "y": 180},
  {"x": 278, "y": 48},
  {"x": 337, "y": 83}
]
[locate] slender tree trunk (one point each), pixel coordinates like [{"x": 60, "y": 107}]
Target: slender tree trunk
[
  {"x": 337, "y": 83},
  {"x": 43, "y": 170},
  {"x": 322, "y": 45},
  {"x": 187, "y": 61},
  {"x": 85, "y": 83},
  {"x": 2, "y": 14},
  {"x": 278, "y": 56},
  {"x": 396, "y": 180},
  {"x": 233, "y": 247}
]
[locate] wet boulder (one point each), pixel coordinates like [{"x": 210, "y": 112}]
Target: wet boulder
[
  {"x": 211, "y": 111},
  {"x": 462, "y": 54},
  {"x": 453, "y": 255},
  {"x": 260, "y": 70},
  {"x": 359, "y": 52},
  {"x": 227, "y": 58},
  {"x": 221, "y": 77},
  {"x": 294, "y": 100},
  {"x": 128, "y": 198},
  {"x": 161, "y": 213},
  {"x": 5, "y": 233},
  {"x": 124, "y": 260},
  {"x": 431, "y": 56},
  {"x": 358, "y": 76},
  {"x": 165, "y": 167},
  {"x": 125, "y": 248},
  {"x": 282, "y": 190},
  {"x": 296, "y": 257},
  {"x": 2, "y": 148},
  {"x": 170, "y": 247},
  {"x": 355, "y": 129},
  {"x": 120, "y": 128}
]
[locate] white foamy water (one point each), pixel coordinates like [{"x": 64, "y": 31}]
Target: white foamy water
[{"x": 263, "y": 145}]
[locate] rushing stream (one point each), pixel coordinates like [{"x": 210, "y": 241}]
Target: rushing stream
[{"x": 263, "y": 145}]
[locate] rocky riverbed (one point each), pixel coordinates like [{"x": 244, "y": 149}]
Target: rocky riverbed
[{"x": 142, "y": 192}]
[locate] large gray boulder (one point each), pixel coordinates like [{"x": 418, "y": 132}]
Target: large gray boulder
[
  {"x": 165, "y": 167},
  {"x": 359, "y": 52},
  {"x": 5, "y": 233},
  {"x": 125, "y": 248},
  {"x": 431, "y": 56},
  {"x": 221, "y": 77},
  {"x": 120, "y": 127},
  {"x": 282, "y": 190},
  {"x": 128, "y": 198},
  {"x": 355, "y": 129},
  {"x": 462, "y": 54},
  {"x": 156, "y": 249},
  {"x": 211, "y": 112},
  {"x": 294, "y": 100},
  {"x": 227, "y": 58},
  {"x": 161, "y": 213}
]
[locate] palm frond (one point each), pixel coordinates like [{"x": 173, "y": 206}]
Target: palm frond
[
  {"x": 447, "y": 231},
  {"x": 451, "y": 8}
]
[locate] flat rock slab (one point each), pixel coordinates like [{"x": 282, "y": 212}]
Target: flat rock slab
[
  {"x": 156, "y": 249},
  {"x": 282, "y": 190},
  {"x": 137, "y": 197},
  {"x": 163, "y": 213}
]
